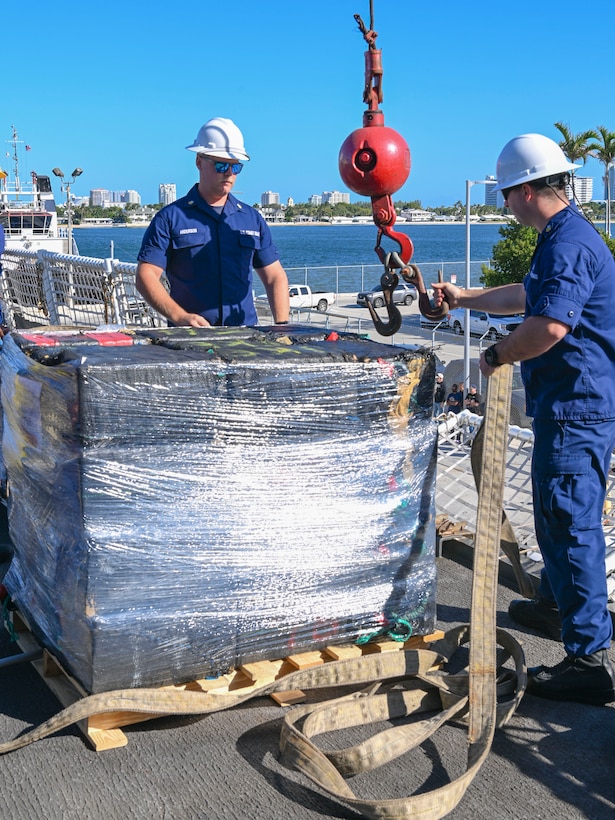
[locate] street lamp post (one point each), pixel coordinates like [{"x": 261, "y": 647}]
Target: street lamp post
[
  {"x": 466, "y": 333},
  {"x": 65, "y": 186},
  {"x": 608, "y": 196}
]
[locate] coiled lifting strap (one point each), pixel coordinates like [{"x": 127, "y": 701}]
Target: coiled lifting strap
[{"x": 486, "y": 696}]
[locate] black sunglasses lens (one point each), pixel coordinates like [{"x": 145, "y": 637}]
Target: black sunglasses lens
[{"x": 222, "y": 167}]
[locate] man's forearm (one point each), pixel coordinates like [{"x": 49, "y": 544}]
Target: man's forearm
[
  {"x": 275, "y": 280},
  {"x": 534, "y": 336},
  {"x": 155, "y": 294},
  {"x": 507, "y": 299},
  {"x": 279, "y": 303}
]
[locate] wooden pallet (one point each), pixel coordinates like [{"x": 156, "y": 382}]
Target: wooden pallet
[{"x": 104, "y": 731}]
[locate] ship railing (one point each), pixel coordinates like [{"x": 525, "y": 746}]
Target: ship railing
[
  {"x": 46, "y": 288},
  {"x": 332, "y": 320},
  {"x": 456, "y": 496}
]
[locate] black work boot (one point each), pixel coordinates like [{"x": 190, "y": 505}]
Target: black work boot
[
  {"x": 588, "y": 679},
  {"x": 538, "y": 614}
]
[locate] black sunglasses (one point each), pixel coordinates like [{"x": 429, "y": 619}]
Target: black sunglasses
[
  {"x": 222, "y": 167},
  {"x": 506, "y": 191}
]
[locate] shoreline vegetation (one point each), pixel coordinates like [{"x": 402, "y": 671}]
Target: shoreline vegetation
[{"x": 473, "y": 222}]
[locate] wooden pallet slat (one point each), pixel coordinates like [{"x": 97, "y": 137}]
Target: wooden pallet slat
[{"x": 104, "y": 731}]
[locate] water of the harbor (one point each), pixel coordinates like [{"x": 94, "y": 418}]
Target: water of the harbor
[{"x": 344, "y": 253}]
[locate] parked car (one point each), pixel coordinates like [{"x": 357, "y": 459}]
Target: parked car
[
  {"x": 301, "y": 297},
  {"x": 491, "y": 325},
  {"x": 403, "y": 294}
]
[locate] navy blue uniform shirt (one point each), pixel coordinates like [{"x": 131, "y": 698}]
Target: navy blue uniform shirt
[
  {"x": 208, "y": 257},
  {"x": 572, "y": 279}
]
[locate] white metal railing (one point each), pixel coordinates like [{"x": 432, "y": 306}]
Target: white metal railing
[
  {"x": 45, "y": 288},
  {"x": 353, "y": 278},
  {"x": 457, "y": 499}
]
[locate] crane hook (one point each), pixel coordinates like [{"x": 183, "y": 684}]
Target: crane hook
[
  {"x": 411, "y": 273},
  {"x": 388, "y": 282}
]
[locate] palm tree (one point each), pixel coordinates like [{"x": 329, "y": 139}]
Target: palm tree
[
  {"x": 575, "y": 146},
  {"x": 604, "y": 152}
]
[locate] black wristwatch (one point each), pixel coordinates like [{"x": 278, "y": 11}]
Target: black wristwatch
[{"x": 491, "y": 357}]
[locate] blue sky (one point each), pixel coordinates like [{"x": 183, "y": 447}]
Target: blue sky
[{"x": 120, "y": 88}]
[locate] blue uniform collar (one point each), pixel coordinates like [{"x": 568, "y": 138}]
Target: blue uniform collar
[
  {"x": 560, "y": 217},
  {"x": 194, "y": 199}
]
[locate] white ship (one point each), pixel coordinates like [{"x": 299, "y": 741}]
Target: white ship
[{"x": 28, "y": 210}]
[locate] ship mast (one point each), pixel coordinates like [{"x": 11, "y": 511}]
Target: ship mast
[{"x": 14, "y": 142}]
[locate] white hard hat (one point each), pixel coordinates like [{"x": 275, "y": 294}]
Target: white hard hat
[
  {"x": 219, "y": 137},
  {"x": 530, "y": 157}
]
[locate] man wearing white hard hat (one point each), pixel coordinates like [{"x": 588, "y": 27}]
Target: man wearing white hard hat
[
  {"x": 566, "y": 346},
  {"x": 208, "y": 241}
]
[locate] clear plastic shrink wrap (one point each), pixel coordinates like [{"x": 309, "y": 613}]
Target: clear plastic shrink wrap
[{"x": 196, "y": 499}]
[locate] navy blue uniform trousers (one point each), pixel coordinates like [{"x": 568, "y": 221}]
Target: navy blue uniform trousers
[{"x": 570, "y": 466}]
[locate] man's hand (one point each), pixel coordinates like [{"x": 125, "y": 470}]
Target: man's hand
[
  {"x": 485, "y": 369},
  {"x": 446, "y": 291},
  {"x": 192, "y": 320}
]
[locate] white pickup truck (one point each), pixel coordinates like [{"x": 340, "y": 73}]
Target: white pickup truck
[
  {"x": 302, "y": 296},
  {"x": 490, "y": 325}
]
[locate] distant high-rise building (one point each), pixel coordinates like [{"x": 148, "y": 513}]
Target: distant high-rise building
[
  {"x": 333, "y": 197},
  {"x": 105, "y": 199},
  {"x": 493, "y": 198},
  {"x": 167, "y": 193},
  {"x": 270, "y": 198},
  {"x": 583, "y": 189},
  {"x": 315, "y": 199},
  {"x": 101, "y": 197}
]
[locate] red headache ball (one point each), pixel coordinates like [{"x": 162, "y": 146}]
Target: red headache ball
[{"x": 374, "y": 161}]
